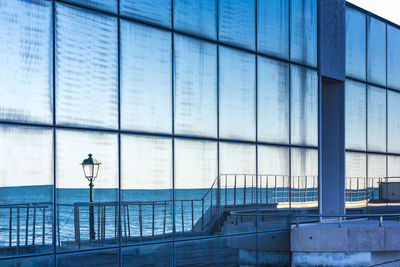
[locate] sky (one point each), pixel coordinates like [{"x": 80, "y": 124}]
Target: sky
[{"x": 388, "y": 9}]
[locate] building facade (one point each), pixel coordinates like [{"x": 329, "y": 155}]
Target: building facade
[{"x": 206, "y": 117}]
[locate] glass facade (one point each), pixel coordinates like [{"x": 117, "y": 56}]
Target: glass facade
[
  {"x": 200, "y": 117},
  {"x": 371, "y": 104}
]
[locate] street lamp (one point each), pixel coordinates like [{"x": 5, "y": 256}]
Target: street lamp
[{"x": 91, "y": 168}]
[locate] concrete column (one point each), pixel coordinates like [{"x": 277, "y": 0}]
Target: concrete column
[{"x": 331, "y": 63}]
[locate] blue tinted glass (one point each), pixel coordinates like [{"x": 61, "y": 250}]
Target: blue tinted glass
[
  {"x": 393, "y": 121},
  {"x": 100, "y": 258},
  {"x": 196, "y": 17},
  {"x": 237, "y": 22},
  {"x": 153, "y": 11},
  {"x": 355, "y": 44},
  {"x": 303, "y": 33},
  {"x": 376, "y": 119},
  {"x": 235, "y": 244},
  {"x": 26, "y": 179},
  {"x": 195, "y": 87},
  {"x": 376, "y": 57},
  {"x": 108, "y": 5},
  {"x": 26, "y": 61},
  {"x": 356, "y": 115},
  {"x": 203, "y": 252},
  {"x": 29, "y": 262},
  {"x": 147, "y": 255},
  {"x": 237, "y": 97},
  {"x": 86, "y": 68},
  {"x": 273, "y": 27},
  {"x": 273, "y": 101},
  {"x": 393, "y": 57},
  {"x": 146, "y": 94},
  {"x": 304, "y": 106}
]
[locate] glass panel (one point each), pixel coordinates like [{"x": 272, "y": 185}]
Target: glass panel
[
  {"x": 355, "y": 43},
  {"x": 100, "y": 258},
  {"x": 273, "y": 248},
  {"x": 29, "y": 262},
  {"x": 196, "y": 170},
  {"x": 356, "y": 183},
  {"x": 238, "y": 184},
  {"x": 376, "y": 119},
  {"x": 26, "y": 190},
  {"x": 304, "y": 166},
  {"x": 153, "y": 11},
  {"x": 237, "y": 22},
  {"x": 146, "y": 93},
  {"x": 356, "y": 115},
  {"x": 394, "y": 168},
  {"x": 81, "y": 224},
  {"x": 202, "y": 252},
  {"x": 196, "y": 17},
  {"x": 376, "y": 49},
  {"x": 86, "y": 68},
  {"x": 108, "y": 5},
  {"x": 304, "y": 106},
  {"x": 273, "y": 178},
  {"x": 376, "y": 174},
  {"x": 237, "y": 99},
  {"x": 26, "y": 87},
  {"x": 303, "y": 34},
  {"x": 393, "y": 57},
  {"x": 146, "y": 183},
  {"x": 393, "y": 111},
  {"x": 242, "y": 250},
  {"x": 195, "y": 87},
  {"x": 273, "y": 101},
  {"x": 148, "y": 255},
  {"x": 273, "y": 27}
]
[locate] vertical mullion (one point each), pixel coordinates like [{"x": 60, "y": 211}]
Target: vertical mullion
[
  {"x": 256, "y": 117},
  {"x": 54, "y": 133},
  {"x": 218, "y": 146},
  {"x": 119, "y": 133},
  {"x": 173, "y": 129},
  {"x": 290, "y": 116}
]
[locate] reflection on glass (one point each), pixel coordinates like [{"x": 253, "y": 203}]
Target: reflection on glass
[
  {"x": 147, "y": 255},
  {"x": 303, "y": 33},
  {"x": 237, "y": 96},
  {"x": 108, "y": 5},
  {"x": 304, "y": 164},
  {"x": 393, "y": 111},
  {"x": 273, "y": 27},
  {"x": 195, "y": 186},
  {"x": 273, "y": 248},
  {"x": 304, "y": 106},
  {"x": 394, "y": 167},
  {"x": 273, "y": 176},
  {"x": 146, "y": 183},
  {"x": 393, "y": 57},
  {"x": 355, "y": 43},
  {"x": 26, "y": 57},
  {"x": 153, "y": 11},
  {"x": 273, "y": 101},
  {"x": 42, "y": 261},
  {"x": 100, "y": 258},
  {"x": 237, "y": 23},
  {"x": 376, "y": 51},
  {"x": 146, "y": 94},
  {"x": 75, "y": 222},
  {"x": 195, "y": 87},
  {"x": 376, "y": 119},
  {"x": 202, "y": 252},
  {"x": 26, "y": 190},
  {"x": 356, "y": 114},
  {"x": 238, "y": 184},
  {"x": 86, "y": 68},
  {"x": 377, "y": 175},
  {"x": 196, "y": 17},
  {"x": 357, "y": 186},
  {"x": 238, "y": 250}
]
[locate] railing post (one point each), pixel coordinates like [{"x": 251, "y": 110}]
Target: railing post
[
  {"x": 234, "y": 192},
  {"x": 58, "y": 224},
  {"x": 128, "y": 220},
  {"x": 358, "y": 188},
  {"x": 351, "y": 193},
  {"x": 275, "y": 189},
  {"x": 27, "y": 226},
  {"x": 226, "y": 189},
  {"x": 266, "y": 190},
  {"x": 244, "y": 190},
  {"x": 192, "y": 218},
  {"x": 283, "y": 188},
  {"x": 34, "y": 226},
  {"x": 115, "y": 220},
  {"x": 298, "y": 189},
  {"x": 183, "y": 221},
  {"x": 18, "y": 228},
  {"x": 152, "y": 219},
  {"x": 165, "y": 218},
  {"x": 252, "y": 189},
  {"x": 124, "y": 210},
  {"x": 10, "y": 229},
  {"x": 202, "y": 214},
  {"x": 140, "y": 222},
  {"x": 313, "y": 191},
  {"x": 98, "y": 222},
  {"x": 44, "y": 226},
  {"x": 305, "y": 188},
  {"x": 104, "y": 222}
]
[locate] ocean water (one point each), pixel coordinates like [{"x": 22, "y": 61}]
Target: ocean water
[{"x": 136, "y": 219}]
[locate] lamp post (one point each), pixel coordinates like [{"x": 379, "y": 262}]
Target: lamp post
[{"x": 91, "y": 169}]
